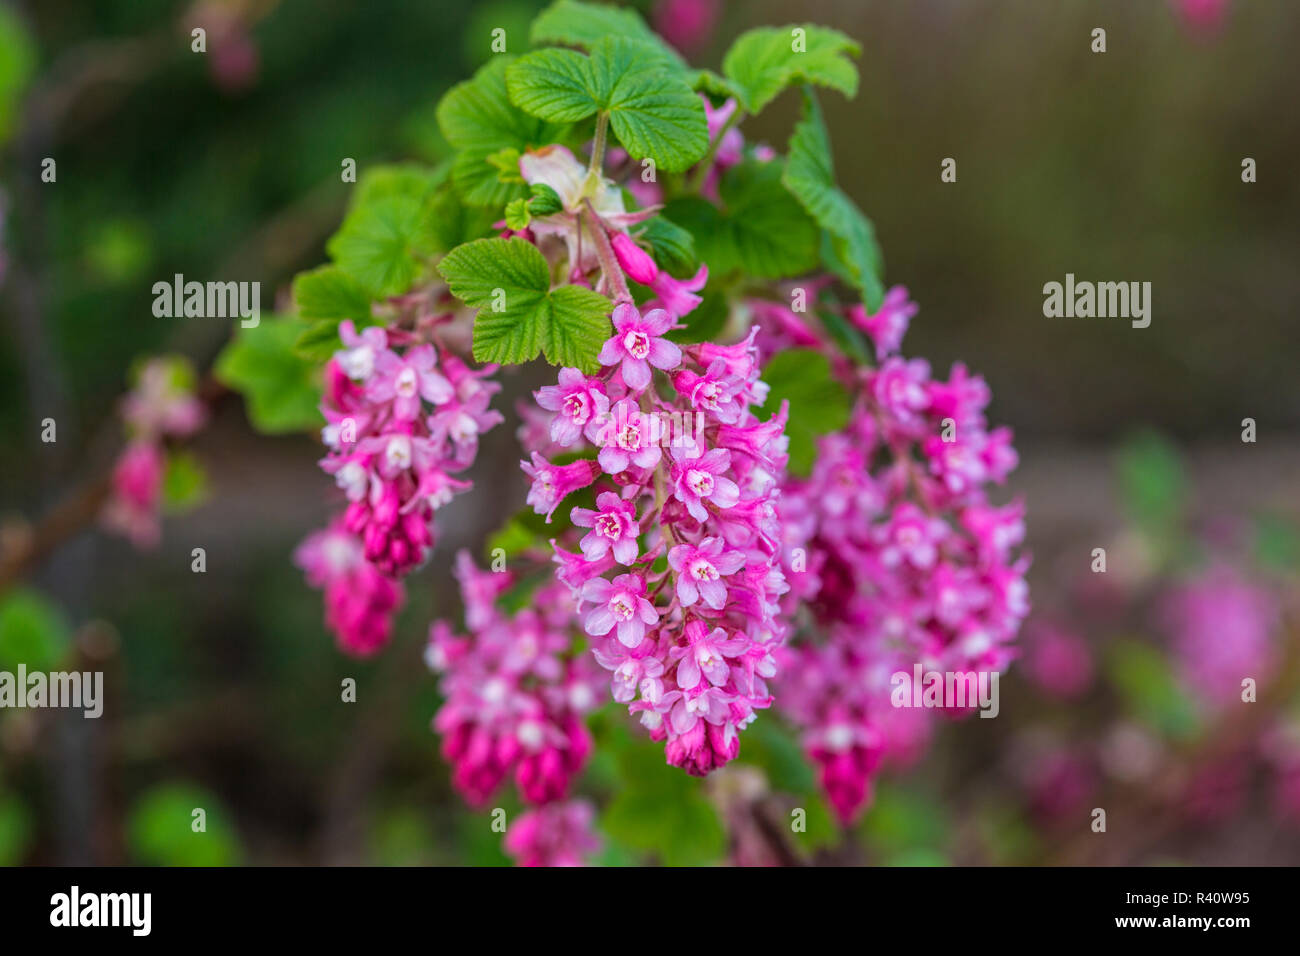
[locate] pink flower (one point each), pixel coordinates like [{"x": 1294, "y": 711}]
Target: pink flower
[
  {"x": 697, "y": 480},
  {"x": 637, "y": 344},
  {"x": 714, "y": 392},
  {"x": 886, "y": 327},
  {"x": 913, "y": 537},
  {"x": 620, "y": 604},
  {"x": 1222, "y": 627},
  {"x": 1059, "y": 662},
  {"x": 677, "y": 296},
  {"x": 406, "y": 380},
  {"x": 628, "y": 437},
  {"x": 899, "y": 386},
  {"x": 576, "y": 401},
  {"x": 357, "y": 360},
  {"x": 705, "y": 656},
  {"x": 686, "y": 24},
  {"x": 634, "y": 260},
  {"x": 360, "y": 603},
  {"x": 700, "y": 570},
  {"x": 613, "y": 526},
  {"x": 136, "y": 491},
  {"x": 706, "y": 702},
  {"x": 553, "y": 483},
  {"x": 631, "y": 668},
  {"x": 162, "y": 401},
  {"x": 557, "y": 834}
]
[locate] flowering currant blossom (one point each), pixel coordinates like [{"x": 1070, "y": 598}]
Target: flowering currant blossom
[
  {"x": 555, "y": 834},
  {"x": 161, "y": 406},
  {"x": 691, "y": 644},
  {"x": 638, "y": 343},
  {"x": 895, "y": 549},
  {"x": 400, "y": 423},
  {"x": 515, "y": 693},
  {"x": 359, "y": 599}
]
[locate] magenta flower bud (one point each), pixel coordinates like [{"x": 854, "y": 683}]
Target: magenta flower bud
[{"x": 634, "y": 260}]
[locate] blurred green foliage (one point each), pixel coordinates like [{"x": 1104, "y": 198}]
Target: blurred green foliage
[
  {"x": 164, "y": 829},
  {"x": 33, "y": 632}
]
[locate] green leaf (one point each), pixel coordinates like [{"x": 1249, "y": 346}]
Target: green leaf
[
  {"x": 32, "y": 631},
  {"x": 759, "y": 231},
  {"x": 706, "y": 81},
  {"x": 652, "y": 111},
  {"x": 185, "y": 482},
  {"x": 818, "y": 403},
  {"x": 279, "y": 387},
  {"x": 517, "y": 215},
  {"x": 545, "y": 201},
  {"x": 318, "y": 342},
  {"x": 160, "y": 830},
  {"x": 519, "y": 315},
  {"x": 571, "y": 23},
  {"x": 763, "y": 62},
  {"x": 810, "y": 177},
  {"x": 381, "y": 243},
  {"x": 506, "y": 163},
  {"x": 477, "y": 118},
  {"x": 328, "y": 292},
  {"x": 556, "y": 85}
]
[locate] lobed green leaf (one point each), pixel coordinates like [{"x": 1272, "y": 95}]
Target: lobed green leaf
[{"x": 764, "y": 61}]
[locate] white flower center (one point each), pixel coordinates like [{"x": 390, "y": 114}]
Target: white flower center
[
  {"x": 357, "y": 363},
  {"x": 703, "y": 570},
  {"x": 407, "y": 384},
  {"x": 630, "y": 437},
  {"x": 398, "y": 452},
  {"x": 463, "y": 427},
  {"x": 637, "y": 344},
  {"x": 839, "y": 737},
  {"x": 576, "y": 407},
  {"x": 700, "y": 482},
  {"x": 621, "y": 608}
]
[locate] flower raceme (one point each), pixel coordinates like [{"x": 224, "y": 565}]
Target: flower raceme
[
  {"x": 400, "y": 424},
  {"x": 161, "y": 406},
  {"x": 678, "y": 575},
  {"x": 515, "y": 693},
  {"x": 903, "y": 559}
]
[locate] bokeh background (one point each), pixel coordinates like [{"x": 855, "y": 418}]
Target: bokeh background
[{"x": 223, "y": 687}]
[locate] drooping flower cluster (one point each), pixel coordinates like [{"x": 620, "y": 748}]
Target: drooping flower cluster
[
  {"x": 400, "y": 424},
  {"x": 360, "y": 600},
  {"x": 515, "y": 692},
  {"x": 677, "y": 572},
  {"x": 898, "y": 555},
  {"x": 162, "y": 405}
]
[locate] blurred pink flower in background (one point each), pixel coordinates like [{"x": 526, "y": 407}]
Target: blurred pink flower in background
[
  {"x": 687, "y": 24},
  {"x": 1058, "y": 661},
  {"x": 1222, "y": 629},
  {"x": 1204, "y": 16},
  {"x": 1058, "y": 782}
]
